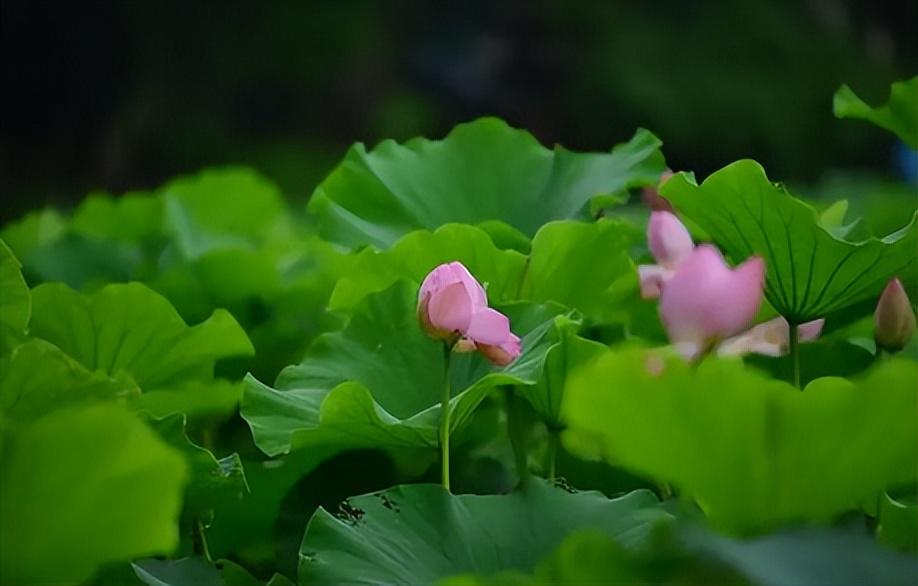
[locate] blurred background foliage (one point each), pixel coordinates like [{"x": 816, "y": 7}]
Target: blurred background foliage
[{"x": 127, "y": 95}]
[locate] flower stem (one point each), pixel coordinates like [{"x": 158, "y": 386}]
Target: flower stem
[
  {"x": 199, "y": 540},
  {"x": 517, "y": 432},
  {"x": 552, "y": 454},
  {"x": 444, "y": 419},
  {"x": 794, "y": 350}
]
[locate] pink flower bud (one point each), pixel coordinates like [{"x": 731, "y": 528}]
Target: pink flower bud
[
  {"x": 453, "y": 306},
  {"x": 894, "y": 320},
  {"x": 668, "y": 239},
  {"x": 670, "y": 243},
  {"x": 448, "y": 298},
  {"x": 707, "y": 301}
]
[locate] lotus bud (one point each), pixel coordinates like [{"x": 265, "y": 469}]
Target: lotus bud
[
  {"x": 453, "y": 306},
  {"x": 670, "y": 243},
  {"x": 894, "y": 320},
  {"x": 668, "y": 239}
]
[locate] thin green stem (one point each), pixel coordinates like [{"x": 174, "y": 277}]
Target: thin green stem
[
  {"x": 199, "y": 541},
  {"x": 516, "y": 430},
  {"x": 666, "y": 491},
  {"x": 444, "y": 419},
  {"x": 794, "y": 350},
  {"x": 552, "y": 453}
]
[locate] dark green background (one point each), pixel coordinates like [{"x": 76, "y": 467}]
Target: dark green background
[{"x": 125, "y": 96}]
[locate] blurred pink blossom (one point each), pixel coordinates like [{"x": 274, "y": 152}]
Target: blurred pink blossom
[
  {"x": 670, "y": 243},
  {"x": 770, "y": 338},
  {"x": 706, "y": 301}
]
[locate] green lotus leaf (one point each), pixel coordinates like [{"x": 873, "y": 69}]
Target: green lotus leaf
[
  {"x": 584, "y": 557},
  {"x": 130, "y": 218},
  {"x": 810, "y": 270},
  {"x": 420, "y": 534},
  {"x": 416, "y": 254},
  {"x": 195, "y": 571},
  {"x": 15, "y": 300},
  {"x": 33, "y": 231},
  {"x": 217, "y": 399},
  {"x": 377, "y": 383},
  {"x": 898, "y": 115},
  {"x": 754, "y": 452},
  {"x": 571, "y": 353},
  {"x": 85, "y": 487},
  {"x": 809, "y": 556},
  {"x": 223, "y": 208},
  {"x": 583, "y": 266},
  {"x": 483, "y": 170},
  {"x": 692, "y": 555},
  {"x": 505, "y": 236},
  {"x": 192, "y": 571},
  {"x": 128, "y": 328},
  {"x": 37, "y": 378},
  {"x": 86, "y": 263}
]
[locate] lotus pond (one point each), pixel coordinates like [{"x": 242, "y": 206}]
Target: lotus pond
[{"x": 469, "y": 360}]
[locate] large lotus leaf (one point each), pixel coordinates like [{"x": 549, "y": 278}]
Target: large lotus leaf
[
  {"x": 216, "y": 399},
  {"x": 582, "y": 266},
  {"x": 505, "y": 236},
  {"x": 484, "y": 170},
  {"x": 584, "y": 557},
  {"x": 83, "y": 488},
  {"x": 195, "y": 571},
  {"x": 811, "y": 271},
  {"x": 416, "y": 254},
  {"x": 107, "y": 240},
  {"x": 223, "y": 208},
  {"x": 752, "y": 451},
  {"x": 191, "y": 571},
  {"x": 33, "y": 231},
  {"x": 128, "y": 328},
  {"x": 279, "y": 293},
  {"x": 15, "y": 300},
  {"x": 571, "y": 353},
  {"x": 86, "y": 263},
  {"x": 420, "y": 534},
  {"x": 899, "y": 115},
  {"x": 131, "y": 218},
  {"x": 840, "y": 558},
  {"x": 226, "y": 277},
  {"x": 37, "y": 378},
  {"x": 696, "y": 556},
  {"x": 378, "y": 382}
]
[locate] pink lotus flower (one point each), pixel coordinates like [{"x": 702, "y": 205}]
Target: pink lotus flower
[
  {"x": 770, "y": 338},
  {"x": 453, "y": 306},
  {"x": 706, "y": 301},
  {"x": 671, "y": 244},
  {"x": 894, "y": 320}
]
